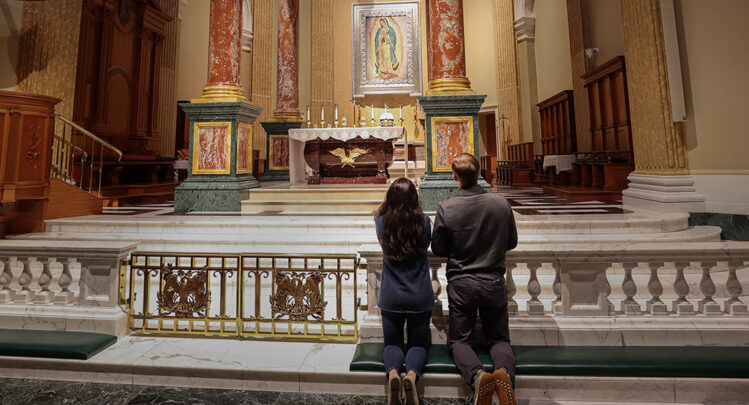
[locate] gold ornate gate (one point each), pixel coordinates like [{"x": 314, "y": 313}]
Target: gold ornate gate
[{"x": 267, "y": 296}]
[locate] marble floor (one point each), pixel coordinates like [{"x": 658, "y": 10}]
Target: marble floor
[{"x": 25, "y": 391}]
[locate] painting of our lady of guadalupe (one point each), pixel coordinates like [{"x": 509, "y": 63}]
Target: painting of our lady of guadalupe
[
  {"x": 387, "y": 51},
  {"x": 385, "y": 42},
  {"x": 385, "y": 48}
]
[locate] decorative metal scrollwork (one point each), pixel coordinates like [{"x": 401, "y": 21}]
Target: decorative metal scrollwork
[
  {"x": 184, "y": 293},
  {"x": 298, "y": 296}
]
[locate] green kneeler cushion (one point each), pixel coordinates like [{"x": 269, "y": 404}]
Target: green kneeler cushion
[
  {"x": 603, "y": 361},
  {"x": 53, "y": 344}
]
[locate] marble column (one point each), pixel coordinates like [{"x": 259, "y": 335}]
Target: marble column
[
  {"x": 287, "y": 89},
  {"x": 287, "y": 115},
  {"x": 450, "y": 106},
  {"x": 446, "y": 43},
  {"x": 220, "y": 174},
  {"x": 661, "y": 179},
  {"x": 224, "y": 52}
]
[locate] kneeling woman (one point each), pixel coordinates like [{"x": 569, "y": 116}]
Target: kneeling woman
[{"x": 406, "y": 295}]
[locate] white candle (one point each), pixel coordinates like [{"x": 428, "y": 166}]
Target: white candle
[
  {"x": 372, "y": 108},
  {"x": 336, "y": 112},
  {"x": 307, "y": 112},
  {"x": 400, "y": 112},
  {"x": 322, "y": 113}
]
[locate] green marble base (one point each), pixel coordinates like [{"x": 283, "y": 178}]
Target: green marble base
[
  {"x": 216, "y": 192},
  {"x": 220, "y": 196},
  {"x": 439, "y": 186},
  {"x": 276, "y": 128},
  {"x": 735, "y": 227}
]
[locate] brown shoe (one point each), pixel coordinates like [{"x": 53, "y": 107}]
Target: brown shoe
[
  {"x": 504, "y": 388},
  {"x": 409, "y": 389},
  {"x": 394, "y": 388},
  {"x": 483, "y": 388}
]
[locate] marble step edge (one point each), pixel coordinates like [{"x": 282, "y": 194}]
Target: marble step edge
[
  {"x": 692, "y": 234},
  {"x": 146, "y": 224},
  {"x": 549, "y": 389}
]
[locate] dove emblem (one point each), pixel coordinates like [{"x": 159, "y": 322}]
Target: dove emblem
[{"x": 350, "y": 159}]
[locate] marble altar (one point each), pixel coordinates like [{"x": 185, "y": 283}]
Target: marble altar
[{"x": 343, "y": 155}]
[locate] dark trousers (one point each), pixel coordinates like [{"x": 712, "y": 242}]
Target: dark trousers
[
  {"x": 418, "y": 335},
  {"x": 467, "y": 296}
]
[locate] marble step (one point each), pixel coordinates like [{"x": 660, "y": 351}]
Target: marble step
[
  {"x": 318, "y": 193},
  {"x": 324, "y": 242},
  {"x": 312, "y": 206},
  {"x": 634, "y": 223},
  {"x": 323, "y": 368}
]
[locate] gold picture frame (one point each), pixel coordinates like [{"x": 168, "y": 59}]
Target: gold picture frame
[
  {"x": 271, "y": 154},
  {"x": 250, "y": 163},
  {"x": 226, "y": 169},
  {"x": 436, "y": 145}
]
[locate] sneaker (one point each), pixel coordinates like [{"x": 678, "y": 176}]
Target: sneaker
[
  {"x": 483, "y": 388},
  {"x": 394, "y": 388},
  {"x": 409, "y": 389},
  {"x": 503, "y": 384}
]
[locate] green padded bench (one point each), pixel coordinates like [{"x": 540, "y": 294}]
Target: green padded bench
[
  {"x": 53, "y": 344},
  {"x": 599, "y": 361}
]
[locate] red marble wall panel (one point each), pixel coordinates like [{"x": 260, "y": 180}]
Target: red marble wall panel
[
  {"x": 244, "y": 145},
  {"x": 450, "y": 139},
  {"x": 288, "y": 56},
  {"x": 212, "y": 151},
  {"x": 224, "y": 44},
  {"x": 447, "y": 57},
  {"x": 279, "y": 158}
]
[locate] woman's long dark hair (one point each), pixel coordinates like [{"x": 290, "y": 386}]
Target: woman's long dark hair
[{"x": 402, "y": 221}]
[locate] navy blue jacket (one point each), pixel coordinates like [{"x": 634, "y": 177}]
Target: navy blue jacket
[{"x": 406, "y": 285}]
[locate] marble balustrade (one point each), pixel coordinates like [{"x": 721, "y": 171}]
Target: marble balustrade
[
  {"x": 606, "y": 294},
  {"x": 62, "y": 285}
]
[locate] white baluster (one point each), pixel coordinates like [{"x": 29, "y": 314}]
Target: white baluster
[
  {"x": 45, "y": 279},
  {"x": 655, "y": 306},
  {"x": 24, "y": 295},
  {"x": 65, "y": 296},
  {"x": 681, "y": 305},
  {"x": 556, "y": 305},
  {"x": 512, "y": 305},
  {"x": 734, "y": 305},
  {"x": 6, "y": 293},
  {"x": 628, "y": 305},
  {"x": 607, "y": 288},
  {"x": 707, "y": 305},
  {"x": 535, "y": 306}
]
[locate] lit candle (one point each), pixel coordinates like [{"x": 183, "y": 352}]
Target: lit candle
[
  {"x": 336, "y": 112},
  {"x": 322, "y": 113}
]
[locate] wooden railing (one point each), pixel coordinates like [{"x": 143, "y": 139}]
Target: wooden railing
[
  {"x": 78, "y": 156},
  {"x": 517, "y": 167}
]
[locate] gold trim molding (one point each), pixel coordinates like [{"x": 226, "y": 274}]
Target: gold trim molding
[
  {"x": 287, "y": 115},
  {"x": 221, "y": 93},
  {"x": 450, "y": 86},
  {"x": 196, "y": 147}
]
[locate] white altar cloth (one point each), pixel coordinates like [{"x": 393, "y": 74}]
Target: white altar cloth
[
  {"x": 345, "y": 134},
  {"x": 563, "y": 163},
  {"x": 297, "y": 138}
]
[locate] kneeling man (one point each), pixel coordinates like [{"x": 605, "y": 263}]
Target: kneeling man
[{"x": 474, "y": 229}]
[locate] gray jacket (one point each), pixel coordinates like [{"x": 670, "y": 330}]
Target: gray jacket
[{"x": 474, "y": 229}]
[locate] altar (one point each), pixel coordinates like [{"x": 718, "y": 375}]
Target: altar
[{"x": 358, "y": 155}]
